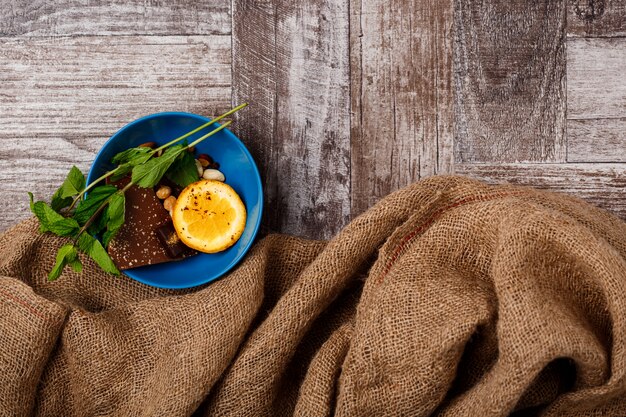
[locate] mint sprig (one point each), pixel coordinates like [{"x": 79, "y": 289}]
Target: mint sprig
[
  {"x": 114, "y": 216},
  {"x": 81, "y": 212},
  {"x": 73, "y": 184},
  {"x": 67, "y": 254},
  {"x": 183, "y": 171},
  {"x": 148, "y": 175}
]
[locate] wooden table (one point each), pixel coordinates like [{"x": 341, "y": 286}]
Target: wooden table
[{"x": 350, "y": 99}]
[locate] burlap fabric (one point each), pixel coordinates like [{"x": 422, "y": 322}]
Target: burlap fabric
[{"x": 448, "y": 298}]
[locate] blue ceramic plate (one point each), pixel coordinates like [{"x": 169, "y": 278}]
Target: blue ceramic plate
[{"x": 235, "y": 162}]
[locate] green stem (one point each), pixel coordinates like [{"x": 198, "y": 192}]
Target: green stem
[
  {"x": 186, "y": 135},
  {"x": 89, "y": 187},
  {"x": 178, "y": 139},
  {"x": 181, "y": 150},
  {"x": 100, "y": 210},
  {"x": 211, "y": 133}
]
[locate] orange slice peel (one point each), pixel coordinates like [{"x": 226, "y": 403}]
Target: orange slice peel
[{"x": 209, "y": 216}]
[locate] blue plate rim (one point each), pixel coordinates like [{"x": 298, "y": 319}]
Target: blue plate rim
[{"x": 245, "y": 250}]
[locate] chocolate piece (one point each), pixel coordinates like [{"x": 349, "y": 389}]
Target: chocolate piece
[
  {"x": 170, "y": 240},
  {"x": 137, "y": 244}
]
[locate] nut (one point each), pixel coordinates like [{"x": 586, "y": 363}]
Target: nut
[
  {"x": 213, "y": 174},
  {"x": 204, "y": 162},
  {"x": 191, "y": 149},
  {"x": 168, "y": 203},
  {"x": 200, "y": 168},
  {"x": 159, "y": 153},
  {"x": 205, "y": 157},
  {"x": 148, "y": 145},
  {"x": 163, "y": 192}
]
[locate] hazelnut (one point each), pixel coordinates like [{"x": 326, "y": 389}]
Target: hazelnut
[
  {"x": 163, "y": 192},
  {"x": 148, "y": 145},
  {"x": 203, "y": 162},
  {"x": 168, "y": 203},
  {"x": 206, "y": 157}
]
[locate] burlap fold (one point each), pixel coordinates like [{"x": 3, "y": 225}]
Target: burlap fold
[{"x": 448, "y": 298}]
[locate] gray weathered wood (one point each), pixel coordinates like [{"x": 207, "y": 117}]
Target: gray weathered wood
[
  {"x": 350, "y": 99},
  {"x": 60, "y": 98},
  {"x": 596, "y": 140},
  {"x": 603, "y": 185},
  {"x": 119, "y": 17},
  {"x": 596, "y": 18},
  {"x": 510, "y": 81},
  {"x": 596, "y": 99},
  {"x": 91, "y": 86},
  {"x": 401, "y": 95},
  {"x": 290, "y": 61},
  {"x": 596, "y": 70}
]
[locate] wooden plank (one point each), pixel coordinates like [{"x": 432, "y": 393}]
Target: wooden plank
[
  {"x": 22, "y": 170},
  {"x": 596, "y": 100},
  {"x": 591, "y": 18},
  {"x": 119, "y": 17},
  {"x": 603, "y": 185},
  {"x": 61, "y": 98},
  {"x": 290, "y": 61},
  {"x": 510, "y": 81},
  {"x": 91, "y": 86},
  {"x": 595, "y": 78},
  {"x": 401, "y": 95},
  {"x": 596, "y": 140}
]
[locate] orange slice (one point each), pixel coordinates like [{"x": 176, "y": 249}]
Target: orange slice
[{"x": 209, "y": 216}]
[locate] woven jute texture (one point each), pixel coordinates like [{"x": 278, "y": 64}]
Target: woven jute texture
[{"x": 448, "y": 298}]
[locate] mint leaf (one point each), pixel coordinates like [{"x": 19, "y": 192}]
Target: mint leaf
[
  {"x": 87, "y": 208},
  {"x": 129, "y": 159},
  {"x": 99, "y": 225},
  {"x": 76, "y": 265},
  {"x": 31, "y": 197},
  {"x": 120, "y": 172},
  {"x": 58, "y": 203},
  {"x": 111, "y": 219},
  {"x": 135, "y": 156},
  {"x": 66, "y": 254},
  {"x": 150, "y": 173},
  {"x": 51, "y": 221},
  {"x": 74, "y": 183},
  {"x": 183, "y": 171},
  {"x": 115, "y": 217},
  {"x": 92, "y": 247},
  {"x": 65, "y": 227}
]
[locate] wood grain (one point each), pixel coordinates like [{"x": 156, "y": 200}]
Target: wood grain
[
  {"x": 290, "y": 61},
  {"x": 350, "y": 99},
  {"x": 595, "y": 78},
  {"x": 401, "y": 95},
  {"x": 60, "y": 98},
  {"x": 596, "y": 103},
  {"x": 510, "y": 81},
  {"x": 603, "y": 185},
  {"x": 591, "y": 18},
  {"x": 118, "y": 17},
  {"x": 91, "y": 86},
  {"x": 596, "y": 140}
]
